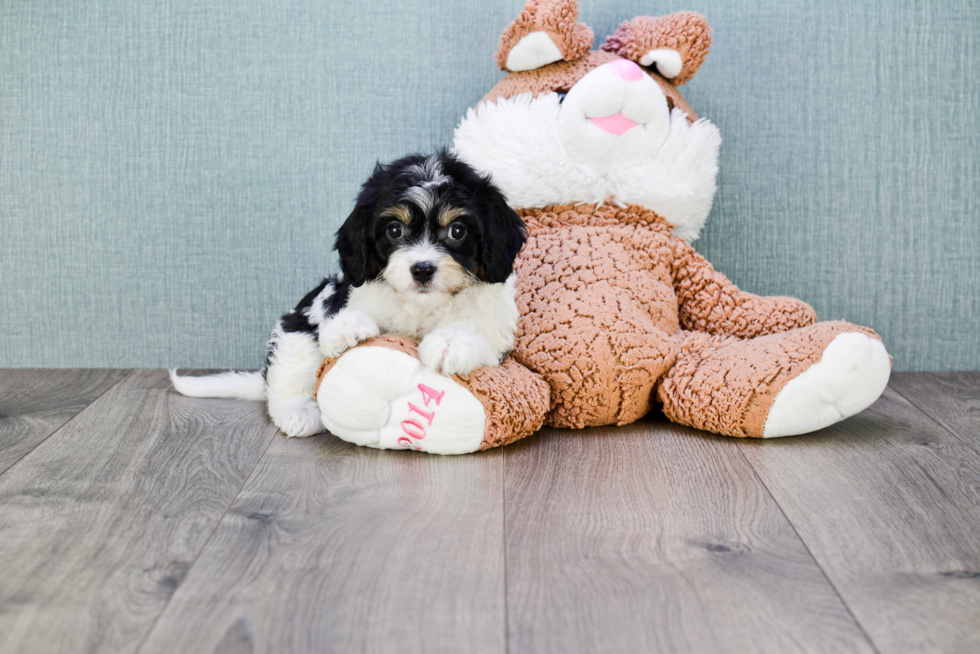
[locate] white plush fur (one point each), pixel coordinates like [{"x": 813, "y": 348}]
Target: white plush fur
[
  {"x": 527, "y": 145},
  {"x": 851, "y": 374}
]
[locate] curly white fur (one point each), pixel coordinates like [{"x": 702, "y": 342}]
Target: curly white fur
[{"x": 519, "y": 143}]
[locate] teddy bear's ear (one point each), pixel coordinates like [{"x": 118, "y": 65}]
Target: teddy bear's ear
[
  {"x": 675, "y": 45},
  {"x": 545, "y": 32}
]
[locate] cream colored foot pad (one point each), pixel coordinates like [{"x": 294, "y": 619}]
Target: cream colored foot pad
[
  {"x": 384, "y": 398},
  {"x": 851, "y": 374}
]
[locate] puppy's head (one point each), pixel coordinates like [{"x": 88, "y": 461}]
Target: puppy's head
[{"x": 427, "y": 225}]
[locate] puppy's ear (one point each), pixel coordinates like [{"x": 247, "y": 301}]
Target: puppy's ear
[
  {"x": 355, "y": 240},
  {"x": 504, "y": 234},
  {"x": 354, "y": 246}
]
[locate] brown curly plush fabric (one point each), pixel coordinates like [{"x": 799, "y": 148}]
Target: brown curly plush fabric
[
  {"x": 514, "y": 399},
  {"x": 687, "y": 32},
  {"x": 604, "y": 293},
  {"x": 557, "y": 19},
  {"x": 727, "y": 385},
  {"x": 710, "y": 303},
  {"x": 562, "y": 75}
]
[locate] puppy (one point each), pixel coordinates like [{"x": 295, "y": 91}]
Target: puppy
[{"x": 427, "y": 253}]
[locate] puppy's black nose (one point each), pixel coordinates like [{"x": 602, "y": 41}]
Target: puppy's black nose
[{"x": 422, "y": 271}]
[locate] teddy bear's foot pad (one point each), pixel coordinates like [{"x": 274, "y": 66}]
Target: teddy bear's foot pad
[
  {"x": 384, "y": 398},
  {"x": 851, "y": 374}
]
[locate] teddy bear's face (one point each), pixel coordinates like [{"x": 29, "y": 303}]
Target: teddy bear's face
[
  {"x": 599, "y": 128},
  {"x": 615, "y": 117}
]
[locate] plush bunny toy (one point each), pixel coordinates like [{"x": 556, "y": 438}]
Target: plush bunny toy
[{"x": 614, "y": 175}]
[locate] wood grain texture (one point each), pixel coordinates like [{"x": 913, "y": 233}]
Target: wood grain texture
[
  {"x": 336, "y": 548},
  {"x": 99, "y": 524},
  {"x": 36, "y": 403},
  {"x": 154, "y": 522},
  {"x": 950, "y": 398},
  {"x": 888, "y": 502},
  {"x": 657, "y": 538}
]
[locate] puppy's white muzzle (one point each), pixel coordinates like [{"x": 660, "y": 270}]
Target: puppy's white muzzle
[{"x": 444, "y": 275}]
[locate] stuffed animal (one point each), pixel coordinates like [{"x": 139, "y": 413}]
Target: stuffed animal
[{"x": 614, "y": 175}]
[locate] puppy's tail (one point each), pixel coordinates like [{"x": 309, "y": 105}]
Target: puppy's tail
[{"x": 241, "y": 385}]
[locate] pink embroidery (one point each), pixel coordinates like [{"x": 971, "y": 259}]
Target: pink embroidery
[
  {"x": 428, "y": 415},
  {"x": 420, "y": 434},
  {"x": 417, "y": 432},
  {"x": 431, "y": 394}
]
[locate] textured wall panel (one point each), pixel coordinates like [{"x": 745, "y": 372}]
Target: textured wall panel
[{"x": 172, "y": 172}]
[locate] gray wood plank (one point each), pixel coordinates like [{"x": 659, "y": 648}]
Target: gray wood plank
[
  {"x": 36, "y": 403},
  {"x": 336, "y": 548},
  {"x": 888, "y": 502},
  {"x": 950, "y": 398},
  {"x": 100, "y": 522},
  {"x": 657, "y": 538}
]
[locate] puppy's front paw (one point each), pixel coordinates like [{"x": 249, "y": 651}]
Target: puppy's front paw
[
  {"x": 344, "y": 331},
  {"x": 456, "y": 352}
]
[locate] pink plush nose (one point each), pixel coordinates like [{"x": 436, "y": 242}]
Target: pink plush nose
[{"x": 627, "y": 69}]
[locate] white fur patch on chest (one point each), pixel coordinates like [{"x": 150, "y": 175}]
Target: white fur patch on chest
[{"x": 488, "y": 309}]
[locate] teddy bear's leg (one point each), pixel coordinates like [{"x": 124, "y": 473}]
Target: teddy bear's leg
[
  {"x": 600, "y": 352},
  {"x": 785, "y": 384},
  {"x": 379, "y": 394}
]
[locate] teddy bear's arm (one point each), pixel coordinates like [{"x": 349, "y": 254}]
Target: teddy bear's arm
[{"x": 710, "y": 303}]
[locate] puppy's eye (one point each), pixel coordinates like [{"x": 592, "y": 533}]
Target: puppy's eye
[
  {"x": 395, "y": 230},
  {"x": 457, "y": 232}
]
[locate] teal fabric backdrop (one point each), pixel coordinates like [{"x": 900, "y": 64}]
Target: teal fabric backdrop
[{"x": 172, "y": 171}]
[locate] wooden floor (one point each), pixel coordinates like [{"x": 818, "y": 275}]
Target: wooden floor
[{"x": 136, "y": 520}]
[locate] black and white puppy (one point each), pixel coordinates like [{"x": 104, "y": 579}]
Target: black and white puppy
[{"x": 427, "y": 253}]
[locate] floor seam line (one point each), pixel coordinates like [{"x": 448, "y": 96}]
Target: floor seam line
[
  {"x": 942, "y": 425},
  {"x": 207, "y": 542},
  {"x": 70, "y": 420},
  {"x": 809, "y": 552},
  {"x": 503, "y": 518}
]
